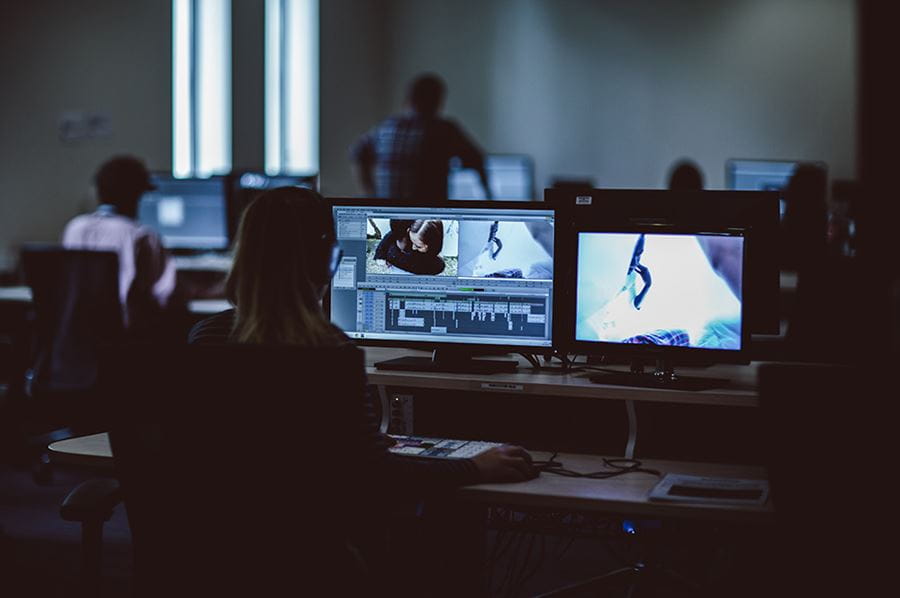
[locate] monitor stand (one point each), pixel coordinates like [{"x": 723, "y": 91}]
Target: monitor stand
[
  {"x": 663, "y": 376},
  {"x": 451, "y": 361}
]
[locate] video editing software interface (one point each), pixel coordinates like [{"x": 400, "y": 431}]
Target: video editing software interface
[
  {"x": 445, "y": 274},
  {"x": 510, "y": 176},
  {"x": 680, "y": 290},
  {"x": 187, "y": 213}
]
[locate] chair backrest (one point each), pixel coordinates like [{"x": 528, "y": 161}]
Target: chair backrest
[
  {"x": 76, "y": 302},
  {"x": 239, "y": 465}
]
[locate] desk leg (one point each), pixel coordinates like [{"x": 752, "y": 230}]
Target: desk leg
[
  {"x": 632, "y": 430},
  {"x": 385, "y": 408}
]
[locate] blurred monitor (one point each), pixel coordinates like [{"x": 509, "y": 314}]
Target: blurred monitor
[
  {"x": 189, "y": 214},
  {"x": 511, "y": 177},
  {"x": 246, "y": 185},
  {"x": 762, "y": 175}
]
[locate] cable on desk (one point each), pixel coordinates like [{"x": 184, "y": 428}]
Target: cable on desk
[{"x": 617, "y": 467}]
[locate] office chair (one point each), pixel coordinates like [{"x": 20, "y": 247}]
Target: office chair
[
  {"x": 76, "y": 310},
  {"x": 240, "y": 467}
]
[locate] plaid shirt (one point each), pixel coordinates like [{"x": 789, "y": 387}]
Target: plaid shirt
[
  {"x": 409, "y": 155},
  {"x": 675, "y": 337}
]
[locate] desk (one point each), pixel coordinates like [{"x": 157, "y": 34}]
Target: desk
[
  {"x": 741, "y": 392},
  {"x": 22, "y": 294},
  {"x": 625, "y": 494}
]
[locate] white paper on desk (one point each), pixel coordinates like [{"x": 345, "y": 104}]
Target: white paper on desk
[{"x": 712, "y": 491}]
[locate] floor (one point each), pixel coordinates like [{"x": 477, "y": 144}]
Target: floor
[{"x": 39, "y": 552}]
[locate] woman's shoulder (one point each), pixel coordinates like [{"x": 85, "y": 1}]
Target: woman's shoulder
[{"x": 215, "y": 329}]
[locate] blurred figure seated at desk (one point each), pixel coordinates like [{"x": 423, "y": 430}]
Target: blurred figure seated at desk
[
  {"x": 148, "y": 286},
  {"x": 286, "y": 256}
]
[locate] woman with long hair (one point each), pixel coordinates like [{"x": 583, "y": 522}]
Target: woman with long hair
[{"x": 284, "y": 256}]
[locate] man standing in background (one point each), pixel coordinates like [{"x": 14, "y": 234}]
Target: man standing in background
[{"x": 407, "y": 156}]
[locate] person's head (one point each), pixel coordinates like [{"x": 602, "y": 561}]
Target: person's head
[
  {"x": 685, "y": 175},
  {"x": 426, "y": 94},
  {"x": 120, "y": 181},
  {"x": 285, "y": 256},
  {"x": 400, "y": 228},
  {"x": 427, "y": 236}
]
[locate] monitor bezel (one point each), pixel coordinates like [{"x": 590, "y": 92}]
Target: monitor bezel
[
  {"x": 755, "y": 211},
  {"x": 457, "y": 204},
  {"x": 222, "y": 179},
  {"x": 565, "y": 301}
]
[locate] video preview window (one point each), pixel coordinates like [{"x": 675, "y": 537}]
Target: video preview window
[
  {"x": 663, "y": 289},
  {"x": 486, "y": 248}
]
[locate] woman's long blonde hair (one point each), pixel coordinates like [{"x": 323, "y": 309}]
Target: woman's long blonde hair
[{"x": 281, "y": 268}]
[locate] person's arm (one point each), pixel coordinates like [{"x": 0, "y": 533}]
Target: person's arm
[
  {"x": 421, "y": 476},
  {"x": 471, "y": 156},
  {"x": 154, "y": 272},
  {"x": 724, "y": 255},
  {"x": 363, "y": 155}
]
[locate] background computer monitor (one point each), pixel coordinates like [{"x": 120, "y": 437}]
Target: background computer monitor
[
  {"x": 655, "y": 293},
  {"x": 245, "y": 185},
  {"x": 511, "y": 177},
  {"x": 189, "y": 214},
  {"x": 742, "y": 174},
  {"x": 489, "y": 287},
  {"x": 755, "y": 211}
]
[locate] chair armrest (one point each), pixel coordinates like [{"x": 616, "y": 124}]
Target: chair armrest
[{"x": 91, "y": 501}]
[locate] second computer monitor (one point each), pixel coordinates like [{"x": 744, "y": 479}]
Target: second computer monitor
[
  {"x": 743, "y": 174},
  {"x": 444, "y": 274},
  {"x": 511, "y": 177},
  {"x": 189, "y": 214}
]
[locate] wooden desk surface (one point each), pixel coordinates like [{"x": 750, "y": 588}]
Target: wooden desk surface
[
  {"x": 622, "y": 494},
  {"x": 741, "y": 393}
]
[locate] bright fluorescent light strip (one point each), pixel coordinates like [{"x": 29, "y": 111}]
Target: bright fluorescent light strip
[
  {"x": 292, "y": 86},
  {"x": 273, "y": 73},
  {"x": 213, "y": 100},
  {"x": 181, "y": 88},
  {"x": 301, "y": 69}
]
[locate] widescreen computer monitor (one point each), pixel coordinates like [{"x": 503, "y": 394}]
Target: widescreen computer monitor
[
  {"x": 743, "y": 174},
  {"x": 510, "y": 176},
  {"x": 657, "y": 293},
  {"x": 754, "y": 211},
  {"x": 189, "y": 214},
  {"x": 455, "y": 278}
]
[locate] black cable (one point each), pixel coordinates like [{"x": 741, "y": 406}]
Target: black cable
[{"x": 618, "y": 467}]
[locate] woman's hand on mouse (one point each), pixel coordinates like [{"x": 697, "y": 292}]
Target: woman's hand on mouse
[{"x": 505, "y": 463}]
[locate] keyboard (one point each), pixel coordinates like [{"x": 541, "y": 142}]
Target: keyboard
[{"x": 440, "y": 448}]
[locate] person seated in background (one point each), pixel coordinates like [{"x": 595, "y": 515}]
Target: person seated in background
[
  {"x": 685, "y": 175},
  {"x": 147, "y": 278},
  {"x": 832, "y": 292},
  {"x": 413, "y": 246}
]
